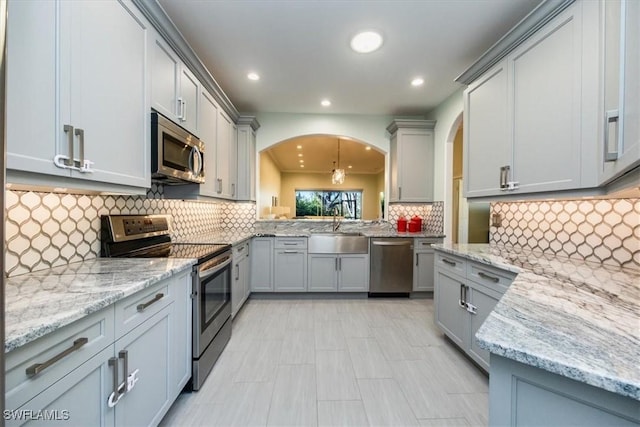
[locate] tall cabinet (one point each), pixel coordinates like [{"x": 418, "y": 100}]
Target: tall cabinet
[
  {"x": 78, "y": 92},
  {"x": 411, "y": 160},
  {"x": 247, "y": 127}
]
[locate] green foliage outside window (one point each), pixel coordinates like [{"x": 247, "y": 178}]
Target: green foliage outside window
[{"x": 323, "y": 203}]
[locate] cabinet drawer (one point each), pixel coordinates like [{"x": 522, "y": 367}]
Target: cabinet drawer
[
  {"x": 240, "y": 250},
  {"x": 424, "y": 244},
  {"x": 492, "y": 278},
  {"x": 139, "y": 307},
  {"x": 451, "y": 263},
  {"x": 291, "y": 242},
  {"x": 65, "y": 343}
]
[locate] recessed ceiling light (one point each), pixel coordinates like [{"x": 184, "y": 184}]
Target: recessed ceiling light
[
  {"x": 301, "y": 161},
  {"x": 367, "y": 148},
  {"x": 350, "y": 166},
  {"x": 299, "y": 147},
  {"x": 299, "y": 154},
  {"x": 253, "y": 76},
  {"x": 418, "y": 81},
  {"x": 301, "y": 166},
  {"x": 325, "y": 103},
  {"x": 366, "y": 42}
]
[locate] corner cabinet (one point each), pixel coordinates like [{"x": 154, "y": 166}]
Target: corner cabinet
[
  {"x": 411, "y": 154},
  {"x": 530, "y": 122},
  {"x": 120, "y": 366},
  {"x": 77, "y": 83},
  {"x": 465, "y": 293},
  {"x": 621, "y": 115},
  {"x": 247, "y": 127}
]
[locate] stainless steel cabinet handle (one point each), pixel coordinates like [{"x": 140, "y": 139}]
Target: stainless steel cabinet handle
[
  {"x": 36, "y": 368},
  {"x": 219, "y": 185},
  {"x": 80, "y": 134},
  {"x": 488, "y": 277},
  {"x": 143, "y": 307},
  {"x": 612, "y": 116},
  {"x": 290, "y": 244},
  {"x": 504, "y": 177},
  {"x": 180, "y": 106},
  {"x": 417, "y": 259},
  {"x": 237, "y": 272},
  {"x": 399, "y": 193},
  {"x": 448, "y": 261},
  {"x": 184, "y": 111},
  {"x": 124, "y": 355},
  {"x": 68, "y": 129},
  {"x": 340, "y": 264},
  {"x": 463, "y": 292},
  {"x": 233, "y": 190},
  {"x": 336, "y": 264},
  {"x": 386, "y": 243},
  {"x": 115, "y": 396},
  {"x": 291, "y": 252}
]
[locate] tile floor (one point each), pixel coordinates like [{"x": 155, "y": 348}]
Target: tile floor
[{"x": 329, "y": 362}]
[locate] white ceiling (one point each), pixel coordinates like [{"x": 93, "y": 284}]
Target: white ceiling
[{"x": 301, "y": 50}]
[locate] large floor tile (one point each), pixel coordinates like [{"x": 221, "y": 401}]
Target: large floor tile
[
  {"x": 394, "y": 345},
  {"x": 385, "y": 404},
  {"x": 294, "y": 401},
  {"x": 260, "y": 362},
  {"x": 335, "y": 377},
  {"x": 298, "y": 348},
  {"x": 445, "y": 422},
  {"x": 329, "y": 335},
  {"x": 342, "y": 413},
  {"x": 367, "y": 358}
]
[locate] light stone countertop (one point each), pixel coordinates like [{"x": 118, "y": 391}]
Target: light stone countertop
[
  {"x": 569, "y": 317},
  {"x": 38, "y": 303},
  {"x": 225, "y": 237}
]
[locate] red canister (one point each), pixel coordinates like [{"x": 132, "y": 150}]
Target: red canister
[
  {"x": 402, "y": 224},
  {"x": 418, "y": 222},
  {"x": 413, "y": 226}
]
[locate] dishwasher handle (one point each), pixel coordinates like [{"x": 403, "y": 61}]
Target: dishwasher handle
[{"x": 387, "y": 243}]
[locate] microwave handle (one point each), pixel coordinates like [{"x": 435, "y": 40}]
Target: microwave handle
[{"x": 195, "y": 161}]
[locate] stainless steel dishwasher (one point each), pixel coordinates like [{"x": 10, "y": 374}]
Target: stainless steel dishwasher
[{"x": 391, "y": 270}]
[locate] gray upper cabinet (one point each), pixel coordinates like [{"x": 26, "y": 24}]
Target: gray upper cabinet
[
  {"x": 208, "y": 120},
  {"x": 226, "y": 157},
  {"x": 621, "y": 116},
  {"x": 78, "y": 80},
  {"x": 411, "y": 160},
  {"x": 247, "y": 127},
  {"x": 530, "y": 121},
  {"x": 174, "y": 87}
]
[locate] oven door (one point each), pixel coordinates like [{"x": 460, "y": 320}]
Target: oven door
[{"x": 212, "y": 302}]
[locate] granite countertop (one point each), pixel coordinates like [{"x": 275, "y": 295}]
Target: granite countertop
[
  {"x": 234, "y": 237},
  {"x": 569, "y": 317},
  {"x": 225, "y": 237},
  {"x": 38, "y": 303}
]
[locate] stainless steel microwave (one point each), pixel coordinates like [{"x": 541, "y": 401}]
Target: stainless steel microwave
[{"x": 177, "y": 157}]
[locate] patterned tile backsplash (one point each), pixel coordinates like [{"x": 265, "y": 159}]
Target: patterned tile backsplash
[
  {"x": 432, "y": 214},
  {"x": 45, "y": 230},
  {"x": 606, "y": 231}
]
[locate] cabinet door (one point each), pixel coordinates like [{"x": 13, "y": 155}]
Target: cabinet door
[
  {"x": 208, "y": 127},
  {"x": 181, "y": 328},
  {"x": 323, "y": 272},
  {"x": 487, "y": 145},
  {"x": 246, "y": 164},
  {"x": 252, "y": 166},
  {"x": 148, "y": 351},
  {"x": 415, "y": 166},
  {"x": 423, "y": 271},
  {"x": 189, "y": 91},
  {"x": 450, "y": 316},
  {"x": 622, "y": 82},
  {"x": 34, "y": 133},
  {"x": 482, "y": 302},
  {"x": 290, "y": 271},
  {"x": 79, "y": 398},
  {"x": 261, "y": 264},
  {"x": 353, "y": 273},
  {"x": 109, "y": 93},
  {"x": 223, "y": 156},
  {"x": 165, "y": 74},
  {"x": 547, "y": 106},
  {"x": 237, "y": 287}
]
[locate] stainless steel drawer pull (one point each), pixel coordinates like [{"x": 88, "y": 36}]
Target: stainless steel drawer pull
[
  {"x": 290, "y": 244},
  {"x": 142, "y": 307},
  {"x": 36, "y": 368},
  {"x": 448, "y": 261},
  {"x": 463, "y": 296},
  {"x": 488, "y": 277},
  {"x": 115, "y": 395}
]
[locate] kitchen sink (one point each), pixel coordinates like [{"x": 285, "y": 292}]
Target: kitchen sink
[{"x": 338, "y": 243}]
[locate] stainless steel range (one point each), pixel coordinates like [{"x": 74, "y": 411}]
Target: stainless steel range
[{"x": 148, "y": 236}]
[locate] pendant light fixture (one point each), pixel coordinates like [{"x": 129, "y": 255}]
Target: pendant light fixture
[{"x": 337, "y": 176}]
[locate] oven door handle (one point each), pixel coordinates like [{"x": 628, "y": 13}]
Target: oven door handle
[{"x": 213, "y": 270}]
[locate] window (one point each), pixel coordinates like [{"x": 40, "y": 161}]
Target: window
[{"x": 323, "y": 203}]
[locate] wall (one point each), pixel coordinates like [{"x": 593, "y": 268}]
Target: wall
[
  {"x": 269, "y": 183},
  {"x": 45, "y": 230},
  {"x": 449, "y": 117},
  {"x": 317, "y": 181},
  {"x": 602, "y": 231}
]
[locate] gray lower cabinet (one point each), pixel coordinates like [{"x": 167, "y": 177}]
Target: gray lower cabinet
[
  {"x": 423, "y": 264},
  {"x": 261, "y": 276},
  {"x": 290, "y": 264},
  {"x": 240, "y": 279},
  {"x": 84, "y": 362},
  {"x": 519, "y": 392},
  {"x": 465, "y": 293},
  {"x": 338, "y": 273}
]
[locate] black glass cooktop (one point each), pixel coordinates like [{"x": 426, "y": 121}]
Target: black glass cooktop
[{"x": 179, "y": 250}]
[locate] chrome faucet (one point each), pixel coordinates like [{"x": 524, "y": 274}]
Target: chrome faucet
[{"x": 336, "y": 221}]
